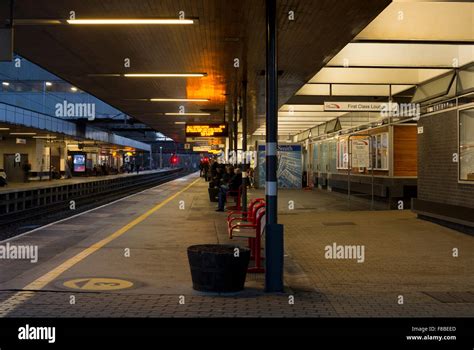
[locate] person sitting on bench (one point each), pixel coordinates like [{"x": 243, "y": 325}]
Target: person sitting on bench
[
  {"x": 233, "y": 185},
  {"x": 216, "y": 179},
  {"x": 228, "y": 173},
  {"x": 214, "y": 185}
]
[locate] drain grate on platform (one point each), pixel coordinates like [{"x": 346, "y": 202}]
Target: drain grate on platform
[
  {"x": 339, "y": 223},
  {"x": 452, "y": 297}
]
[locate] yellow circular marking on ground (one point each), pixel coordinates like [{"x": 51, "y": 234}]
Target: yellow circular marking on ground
[{"x": 97, "y": 283}]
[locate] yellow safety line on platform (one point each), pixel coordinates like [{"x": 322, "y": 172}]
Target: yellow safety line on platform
[{"x": 20, "y": 297}]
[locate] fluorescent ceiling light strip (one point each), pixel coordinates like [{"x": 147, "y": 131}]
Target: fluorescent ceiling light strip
[
  {"x": 179, "y": 100},
  {"x": 164, "y": 75},
  {"x": 185, "y": 114},
  {"x": 22, "y": 133},
  {"x": 109, "y": 21}
]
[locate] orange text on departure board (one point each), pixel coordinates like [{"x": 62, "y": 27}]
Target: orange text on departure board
[{"x": 205, "y": 130}]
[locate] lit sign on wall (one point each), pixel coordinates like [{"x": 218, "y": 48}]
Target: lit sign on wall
[
  {"x": 79, "y": 161},
  {"x": 206, "y": 130}
]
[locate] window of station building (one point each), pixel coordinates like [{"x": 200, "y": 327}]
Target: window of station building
[
  {"x": 437, "y": 87},
  {"x": 342, "y": 154},
  {"x": 380, "y": 151},
  {"x": 466, "y": 145},
  {"x": 324, "y": 157},
  {"x": 316, "y": 157},
  {"x": 465, "y": 82}
]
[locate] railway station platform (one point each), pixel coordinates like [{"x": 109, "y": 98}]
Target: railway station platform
[
  {"x": 128, "y": 259},
  {"x": 37, "y": 185},
  {"x": 27, "y": 198}
]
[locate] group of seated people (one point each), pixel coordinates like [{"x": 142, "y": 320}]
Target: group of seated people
[
  {"x": 103, "y": 170},
  {"x": 224, "y": 178}
]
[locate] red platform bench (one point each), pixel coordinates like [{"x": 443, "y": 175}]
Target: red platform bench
[
  {"x": 237, "y": 195},
  {"x": 251, "y": 227}
]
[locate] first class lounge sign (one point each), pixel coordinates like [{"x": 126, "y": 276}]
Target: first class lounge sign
[
  {"x": 354, "y": 106},
  {"x": 206, "y": 130}
]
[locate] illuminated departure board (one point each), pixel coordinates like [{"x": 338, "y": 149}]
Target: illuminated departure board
[{"x": 206, "y": 130}]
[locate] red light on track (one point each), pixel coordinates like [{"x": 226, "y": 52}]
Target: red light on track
[{"x": 174, "y": 159}]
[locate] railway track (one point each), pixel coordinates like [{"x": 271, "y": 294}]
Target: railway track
[{"x": 16, "y": 223}]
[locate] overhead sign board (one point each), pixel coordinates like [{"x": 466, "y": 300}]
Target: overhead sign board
[
  {"x": 21, "y": 141},
  {"x": 201, "y": 143},
  {"x": 201, "y": 148},
  {"x": 354, "y": 106},
  {"x": 92, "y": 149},
  {"x": 207, "y": 130}
]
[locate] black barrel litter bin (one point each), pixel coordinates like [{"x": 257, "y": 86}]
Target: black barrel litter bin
[{"x": 216, "y": 268}]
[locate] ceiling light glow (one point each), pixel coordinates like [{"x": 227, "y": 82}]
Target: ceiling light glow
[
  {"x": 188, "y": 114},
  {"x": 164, "y": 75},
  {"x": 127, "y": 21},
  {"x": 45, "y": 137},
  {"x": 179, "y": 100}
]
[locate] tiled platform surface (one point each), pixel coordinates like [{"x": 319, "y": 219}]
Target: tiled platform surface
[{"x": 404, "y": 257}]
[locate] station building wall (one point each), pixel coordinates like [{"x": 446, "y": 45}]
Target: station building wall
[
  {"x": 437, "y": 173},
  {"x": 37, "y": 150},
  {"x": 34, "y": 148}
]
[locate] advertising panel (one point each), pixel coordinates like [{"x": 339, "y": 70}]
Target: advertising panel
[
  {"x": 290, "y": 167},
  {"x": 79, "y": 161}
]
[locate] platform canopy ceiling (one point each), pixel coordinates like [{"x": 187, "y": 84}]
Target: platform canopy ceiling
[
  {"x": 409, "y": 43},
  {"x": 92, "y": 57}
]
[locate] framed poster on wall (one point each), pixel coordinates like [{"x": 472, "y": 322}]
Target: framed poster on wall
[{"x": 290, "y": 167}]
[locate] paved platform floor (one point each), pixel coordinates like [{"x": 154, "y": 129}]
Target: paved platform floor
[
  {"x": 32, "y": 185},
  {"x": 142, "y": 239}
]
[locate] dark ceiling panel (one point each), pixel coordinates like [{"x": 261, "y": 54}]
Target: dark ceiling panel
[{"x": 225, "y": 30}]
